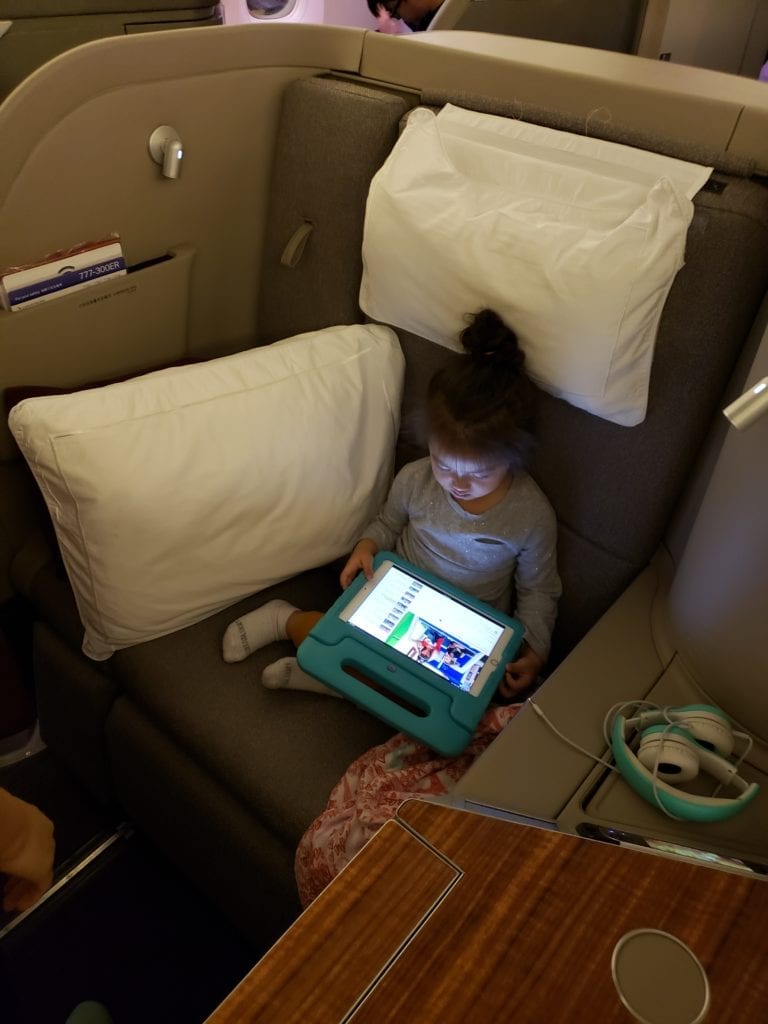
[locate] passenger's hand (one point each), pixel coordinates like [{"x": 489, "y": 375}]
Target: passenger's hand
[
  {"x": 27, "y": 853},
  {"x": 361, "y": 560},
  {"x": 522, "y": 672},
  {"x": 386, "y": 24}
]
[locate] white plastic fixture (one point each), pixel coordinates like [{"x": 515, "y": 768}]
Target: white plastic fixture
[
  {"x": 166, "y": 149},
  {"x": 748, "y": 407}
]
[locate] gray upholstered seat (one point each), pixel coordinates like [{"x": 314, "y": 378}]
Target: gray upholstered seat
[{"x": 225, "y": 775}]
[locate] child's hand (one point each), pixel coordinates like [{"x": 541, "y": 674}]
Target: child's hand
[
  {"x": 360, "y": 559},
  {"x": 522, "y": 672}
]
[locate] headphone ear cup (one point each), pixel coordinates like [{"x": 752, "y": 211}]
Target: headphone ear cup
[
  {"x": 710, "y": 729},
  {"x": 669, "y": 754}
]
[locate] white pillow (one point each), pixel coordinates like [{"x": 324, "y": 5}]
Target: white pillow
[
  {"x": 176, "y": 493},
  {"x": 574, "y": 241}
]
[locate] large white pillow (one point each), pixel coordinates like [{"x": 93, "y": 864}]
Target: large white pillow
[
  {"x": 574, "y": 241},
  {"x": 176, "y": 493}
]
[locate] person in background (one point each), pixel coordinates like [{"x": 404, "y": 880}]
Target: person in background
[
  {"x": 416, "y": 14},
  {"x": 26, "y": 852}
]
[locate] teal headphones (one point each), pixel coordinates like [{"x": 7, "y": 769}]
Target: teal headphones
[{"x": 675, "y": 744}]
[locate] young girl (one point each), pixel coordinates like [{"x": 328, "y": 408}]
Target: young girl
[{"x": 469, "y": 512}]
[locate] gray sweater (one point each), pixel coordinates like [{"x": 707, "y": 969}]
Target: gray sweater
[{"x": 508, "y": 549}]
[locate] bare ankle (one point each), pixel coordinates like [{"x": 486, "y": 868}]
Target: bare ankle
[{"x": 299, "y": 624}]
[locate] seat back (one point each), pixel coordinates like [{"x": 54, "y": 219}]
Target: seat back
[
  {"x": 603, "y": 24},
  {"x": 613, "y": 488}
]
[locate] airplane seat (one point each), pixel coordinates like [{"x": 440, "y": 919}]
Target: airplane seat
[
  {"x": 602, "y": 24},
  {"x": 32, "y": 33},
  {"x": 165, "y": 724},
  {"x": 613, "y": 488},
  {"x": 603, "y": 544}
]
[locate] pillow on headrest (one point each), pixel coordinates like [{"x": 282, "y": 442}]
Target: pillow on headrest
[
  {"x": 179, "y": 492},
  {"x": 574, "y": 241}
]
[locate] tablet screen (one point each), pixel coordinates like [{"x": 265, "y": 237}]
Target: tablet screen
[{"x": 428, "y": 626}]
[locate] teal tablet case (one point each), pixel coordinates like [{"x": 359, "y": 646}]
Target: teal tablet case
[{"x": 440, "y": 714}]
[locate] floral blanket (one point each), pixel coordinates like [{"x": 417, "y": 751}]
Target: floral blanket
[{"x": 372, "y": 789}]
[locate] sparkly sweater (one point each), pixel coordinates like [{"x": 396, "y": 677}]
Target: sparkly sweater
[{"x": 510, "y": 549}]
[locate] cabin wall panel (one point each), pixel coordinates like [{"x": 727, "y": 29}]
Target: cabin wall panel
[
  {"x": 104, "y": 180},
  {"x": 718, "y": 602},
  {"x": 106, "y": 65},
  {"x": 693, "y": 104},
  {"x": 75, "y": 166}
]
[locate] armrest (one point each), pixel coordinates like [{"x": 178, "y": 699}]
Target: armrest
[{"x": 529, "y": 771}]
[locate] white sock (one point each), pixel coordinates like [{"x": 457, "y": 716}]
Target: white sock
[
  {"x": 286, "y": 674},
  {"x": 258, "y": 628}
]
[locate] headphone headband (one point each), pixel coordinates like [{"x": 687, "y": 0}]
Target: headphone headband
[
  {"x": 708, "y": 726},
  {"x": 663, "y": 716}
]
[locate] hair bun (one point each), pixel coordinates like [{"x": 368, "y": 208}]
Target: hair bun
[{"x": 489, "y": 341}]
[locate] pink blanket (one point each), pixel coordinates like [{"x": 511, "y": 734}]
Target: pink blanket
[{"x": 370, "y": 792}]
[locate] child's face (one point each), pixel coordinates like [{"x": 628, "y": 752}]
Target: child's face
[{"x": 467, "y": 477}]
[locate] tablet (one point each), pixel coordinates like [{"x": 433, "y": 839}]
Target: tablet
[
  {"x": 432, "y": 627},
  {"x": 413, "y": 650}
]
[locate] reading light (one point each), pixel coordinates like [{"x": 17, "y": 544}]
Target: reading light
[
  {"x": 748, "y": 407},
  {"x": 166, "y": 149}
]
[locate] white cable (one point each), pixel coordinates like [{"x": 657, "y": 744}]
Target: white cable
[
  {"x": 565, "y": 739},
  {"x": 635, "y": 705},
  {"x": 671, "y": 723},
  {"x": 617, "y": 709},
  {"x": 737, "y": 764}
]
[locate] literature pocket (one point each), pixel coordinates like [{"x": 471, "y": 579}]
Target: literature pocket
[{"x": 120, "y": 326}]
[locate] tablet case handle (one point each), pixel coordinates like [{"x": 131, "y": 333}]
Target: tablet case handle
[{"x": 434, "y": 727}]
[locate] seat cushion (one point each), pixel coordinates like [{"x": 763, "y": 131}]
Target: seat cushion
[{"x": 281, "y": 752}]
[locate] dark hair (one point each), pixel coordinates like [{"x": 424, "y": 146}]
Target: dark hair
[
  {"x": 482, "y": 402},
  {"x": 373, "y": 7}
]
